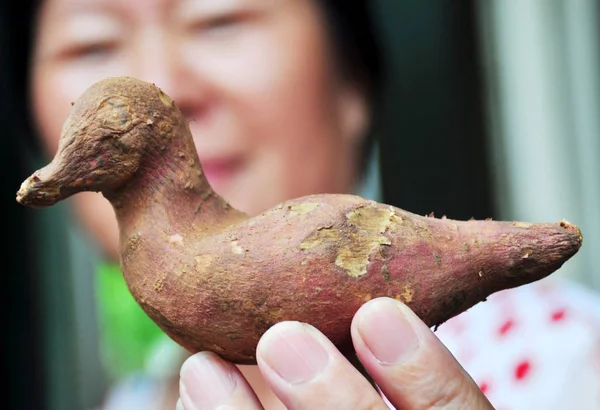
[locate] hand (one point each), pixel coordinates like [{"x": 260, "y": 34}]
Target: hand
[{"x": 306, "y": 371}]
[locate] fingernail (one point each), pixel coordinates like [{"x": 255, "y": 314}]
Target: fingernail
[
  {"x": 205, "y": 382},
  {"x": 386, "y": 331},
  {"x": 293, "y": 352}
]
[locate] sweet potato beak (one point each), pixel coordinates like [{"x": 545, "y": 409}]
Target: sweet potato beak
[{"x": 44, "y": 187}]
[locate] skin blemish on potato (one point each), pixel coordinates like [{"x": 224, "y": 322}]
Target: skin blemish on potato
[
  {"x": 176, "y": 239},
  {"x": 506, "y": 239},
  {"x": 164, "y": 98},
  {"x": 132, "y": 245},
  {"x": 354, "y": 256},
  {"x": 527, "y": 254},
  {"x": 114, "y": 113},
  {"x": 303, "y": 208},
  {"x": 396, "y": 219},
  {"x": 406, "y": 296},
  {"x": 159, "y": 285},
  {"x": 438, "y": 258},
  {"x": 165, "y": 130},
  {"x": 236, "y": 248},
  {"x": 320, "y": 237},
  {"x": 274, "y": 315},
  {"x": 217, "y": 348},
  {"x": 203, "y": 262},
  {"x": 133, "y": 242},
  {"x": 249, "y": 305},
  {"x": 353, "y": 249},
  {"x": 385, "y": 272},
  {"x": 371, "y": 219}
]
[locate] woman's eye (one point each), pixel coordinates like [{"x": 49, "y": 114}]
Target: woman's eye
[
  {"x": 91, "y": 51},
  {"x": 218, "y": 26}
]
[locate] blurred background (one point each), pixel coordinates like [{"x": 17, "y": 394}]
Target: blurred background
[{"x": 498, "y": 106}]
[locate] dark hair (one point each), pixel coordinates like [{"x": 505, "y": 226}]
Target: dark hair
[
  {"x": 16, "y": 57},
  {"x": 355, "y": 38},
  {"x": 352, "y": 30}
]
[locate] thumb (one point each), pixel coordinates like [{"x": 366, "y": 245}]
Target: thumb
[{"x": 408, "y": 362}]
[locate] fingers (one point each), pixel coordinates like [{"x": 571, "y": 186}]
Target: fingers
[
  {"x": 408, "y": 362},
  {"x": 307, "y": 371},
  {"x": 208, "y": 382}
]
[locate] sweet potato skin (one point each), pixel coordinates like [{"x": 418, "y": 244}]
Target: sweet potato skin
[
  {"x": 318, "y": 259},
  {"x": 214, "y": 279}
]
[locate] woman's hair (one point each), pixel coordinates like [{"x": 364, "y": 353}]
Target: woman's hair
[
  {"x": 351, "y": 29},
  {"x": 14, "y": 64},
  {"x": 355, "y": 38}
]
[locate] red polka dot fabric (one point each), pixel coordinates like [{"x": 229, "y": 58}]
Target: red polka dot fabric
[{"x": 533, "y": 347}]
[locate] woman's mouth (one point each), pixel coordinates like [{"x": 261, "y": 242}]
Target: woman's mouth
[{"x": 219, "y": 171}]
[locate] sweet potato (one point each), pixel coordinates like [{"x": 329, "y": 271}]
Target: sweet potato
[{"x": 215, "y": 279}]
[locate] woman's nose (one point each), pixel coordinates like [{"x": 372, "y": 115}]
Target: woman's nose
[{"x": 159, "y": 60}]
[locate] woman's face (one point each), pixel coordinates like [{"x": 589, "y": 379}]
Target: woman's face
[{"x": 271, "y": 119}]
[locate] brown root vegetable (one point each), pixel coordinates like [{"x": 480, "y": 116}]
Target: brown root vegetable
[{"x": 215, "y": 279}]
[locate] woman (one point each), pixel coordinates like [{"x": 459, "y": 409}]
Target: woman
[{"x": 281, "y": 96}]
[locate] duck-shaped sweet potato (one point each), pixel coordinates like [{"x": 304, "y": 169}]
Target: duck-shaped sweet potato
[{"x": 215, "y": 279}]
